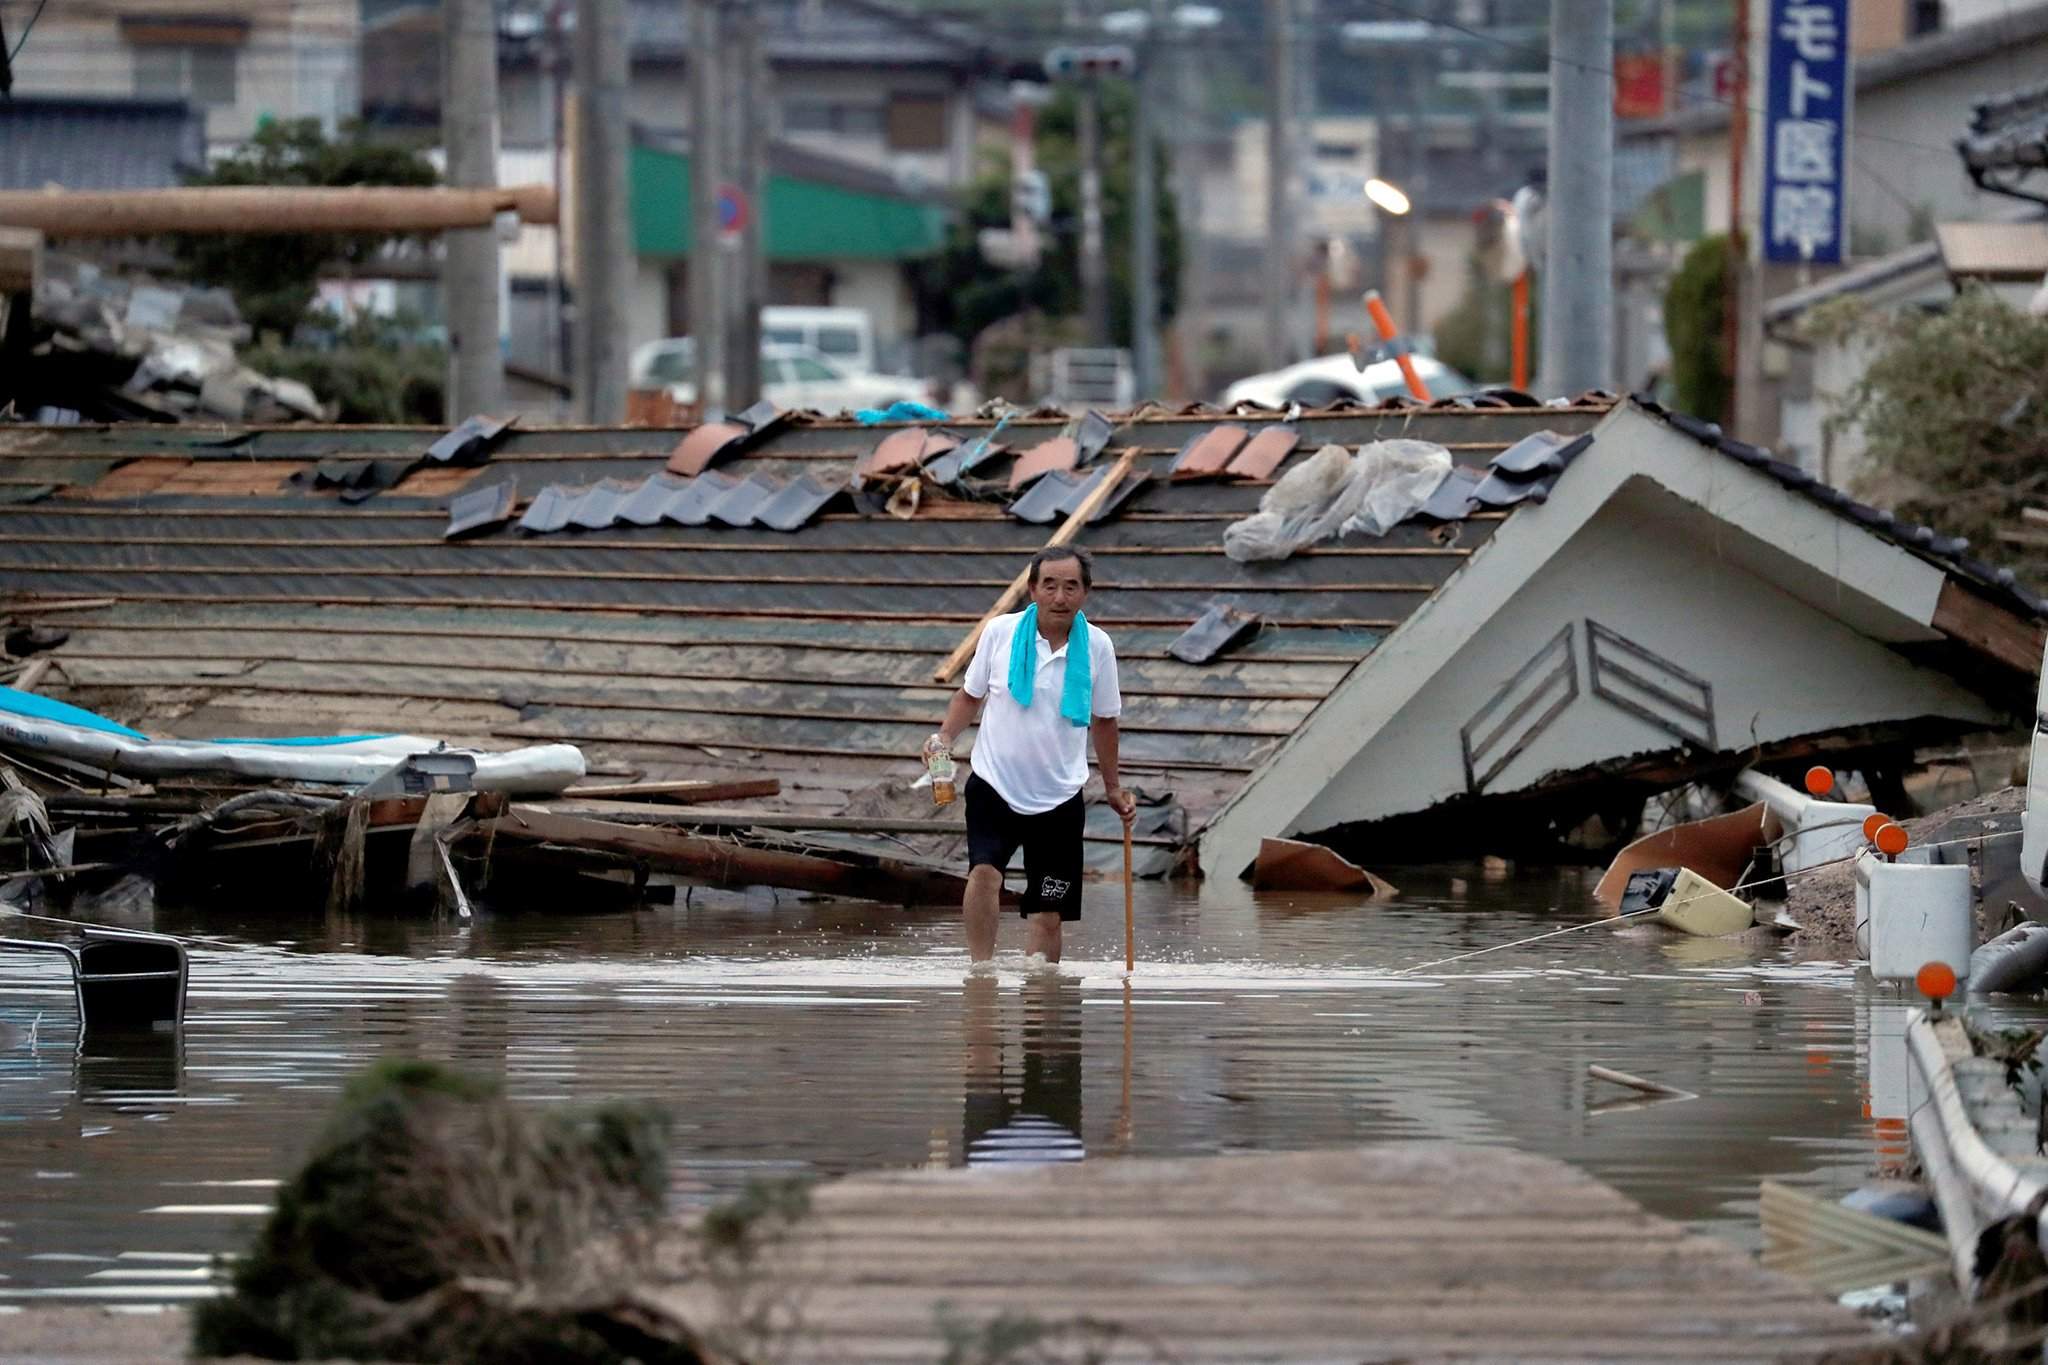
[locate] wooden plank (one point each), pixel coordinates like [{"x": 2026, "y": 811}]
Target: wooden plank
[
  {"x": 717, "y": 669},
  {"x": 1964, "y": 614},
  {"x": 1471, "y": 1252},
  {"x": 682, "y": 793},
  {"x": 1190, "y": 713},
  {"x": 1071, "y": 527},
  {"x": 91, "y": 534},
  {"x": 651, "y": 606}
]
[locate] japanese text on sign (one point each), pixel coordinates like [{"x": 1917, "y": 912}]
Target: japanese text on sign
[{"x": 1806, "y": 114}]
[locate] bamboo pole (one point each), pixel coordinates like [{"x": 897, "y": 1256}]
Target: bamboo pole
[
  {"x": 1069, "y": 528},
  {"x": 1130, "y": 918},
  {"x": 1601, "y": 1073},
  {"x": 280, "y": 209}
]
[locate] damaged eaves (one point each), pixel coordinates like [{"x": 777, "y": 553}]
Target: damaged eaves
[{"x": 1949, "y": 551}]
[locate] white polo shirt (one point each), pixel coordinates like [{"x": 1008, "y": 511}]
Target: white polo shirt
[{"x": 1035, "y": 757}]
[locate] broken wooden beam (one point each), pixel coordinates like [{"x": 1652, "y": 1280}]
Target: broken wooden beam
[{"x": 724, "y": 863}]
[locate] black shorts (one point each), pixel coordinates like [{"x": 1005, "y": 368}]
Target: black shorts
[{"x": 1051, "y": 842}]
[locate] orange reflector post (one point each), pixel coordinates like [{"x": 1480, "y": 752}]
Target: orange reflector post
[
  {"x": 1892, "y": 839},
  {"x": 1874, "y": 822},
  {"x": 1820, "y": 781},
  {"x": 1936, "y": 981}
]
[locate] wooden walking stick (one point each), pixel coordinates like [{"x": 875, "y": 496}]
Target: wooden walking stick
[{"x": 1130, "y": 939}]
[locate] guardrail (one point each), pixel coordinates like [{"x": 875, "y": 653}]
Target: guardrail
[{"x": 1974, "y": 1186}]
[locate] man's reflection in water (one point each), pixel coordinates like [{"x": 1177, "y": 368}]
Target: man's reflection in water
[{"x": 1032, "y": 1114}]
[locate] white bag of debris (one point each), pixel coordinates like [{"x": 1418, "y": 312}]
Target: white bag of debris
[
  {"x": 1331, "y": 492},
  {"x": 1395, "y": 479}
]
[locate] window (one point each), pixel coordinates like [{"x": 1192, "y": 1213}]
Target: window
[
  {"x": 838, "y": 341},
  {"x": 671, "y": 366},
  {"x": 806, "y": 116},
  {"x": 917, "y": 123},
  {"x": 827, "y": 116},
  {"x": 782, "y": 336},
  {"x": 812, "y": 371},
  {"x": 774, "y": 372},
  {"x": 203, "y": 74}
]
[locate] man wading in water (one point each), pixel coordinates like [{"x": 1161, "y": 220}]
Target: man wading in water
[{"x": 1045, "y": 693}]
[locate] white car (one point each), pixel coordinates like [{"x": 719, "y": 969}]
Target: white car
[
  {"x": 791, "y": 377},
  {"x": 1320, "y": 382}
]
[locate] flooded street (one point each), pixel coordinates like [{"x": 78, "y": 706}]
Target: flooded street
[{"x": 800, "y": 1038}]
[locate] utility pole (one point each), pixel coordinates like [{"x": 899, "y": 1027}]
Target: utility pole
[
  {"x": 741, "y": 259},
  {"x": 469, "y": 261},
  {"x": 1191, "y": 125},
  {"x": 1420, "y": 67},
  {"x": 559, "y": 349},
  {"x": 707, "y": 147},
  {"x": 707, "y": 168},
  {"x": 1094, "y": 271},
  {"x": 1145, "y": 216},
  {"x": 1578, "y": 316},
  {"x": 604, "y": 239},
  {"x": 1280, "y": 173}
]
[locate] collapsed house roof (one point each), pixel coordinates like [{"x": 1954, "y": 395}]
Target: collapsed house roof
[{"x": 264, "y": 581}]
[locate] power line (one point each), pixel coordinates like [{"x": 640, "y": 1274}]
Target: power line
[
  {"x": 22, "y": 41},
  {"x": 1594, "y": 69}
]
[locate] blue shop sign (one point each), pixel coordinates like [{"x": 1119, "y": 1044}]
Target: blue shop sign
[{"x": 1806, "y": 131}]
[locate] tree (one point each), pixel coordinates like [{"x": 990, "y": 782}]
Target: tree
[
  {"x": 273, "y": 276},
  {"x": 1695, "y": 322},
  {"x": 1474, "y": 337},
  {"x": 962, "y": 294},
  {"x": 1953, "y": 408}
]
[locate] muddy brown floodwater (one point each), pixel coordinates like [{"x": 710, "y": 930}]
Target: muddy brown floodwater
[{"x": 795, "y": 1038}]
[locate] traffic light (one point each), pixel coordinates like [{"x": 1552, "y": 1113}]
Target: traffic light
[
  {"x": 1090, "y": 63},
  {"x": 1031, "y": 197}
]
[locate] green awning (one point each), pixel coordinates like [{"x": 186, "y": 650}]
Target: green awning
[{"x": 807, "y": 220}]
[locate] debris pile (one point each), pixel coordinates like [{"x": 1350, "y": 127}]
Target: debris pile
[
  {"x": 436, "y": 1221},
  {"x": 392, "y": 821},
  {"x": 109, "y": 346}
]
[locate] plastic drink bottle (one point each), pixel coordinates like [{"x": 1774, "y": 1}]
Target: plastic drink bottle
[{"x": 939, "y": 762}]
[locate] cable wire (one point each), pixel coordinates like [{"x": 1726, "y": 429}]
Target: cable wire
[
  {"x": 22, "y": 41},
  {"x": 1612, "y": 920}
]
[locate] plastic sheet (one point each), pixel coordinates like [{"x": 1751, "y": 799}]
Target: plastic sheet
[
  {"x": 1393, "y": 480},
  {"x": 1331, "y": 493}
]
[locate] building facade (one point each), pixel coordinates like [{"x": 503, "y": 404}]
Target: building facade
[{"x": 240, "y": 62}]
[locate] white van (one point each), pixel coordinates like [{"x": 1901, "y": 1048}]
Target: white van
[{"x": 845, "y": 336}]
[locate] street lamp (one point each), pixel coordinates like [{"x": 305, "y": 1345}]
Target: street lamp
[
  {"x": 1387, "y": 197},
  {"x": 1383, "y": 38}
]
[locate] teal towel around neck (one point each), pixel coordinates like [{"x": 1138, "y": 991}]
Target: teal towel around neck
[{"x": 1077, "y": 691}]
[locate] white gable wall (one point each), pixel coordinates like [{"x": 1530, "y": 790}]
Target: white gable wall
[
  {"x": 1779, "y": 667},
  {"x": 1717, "y": 518}
]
